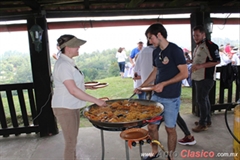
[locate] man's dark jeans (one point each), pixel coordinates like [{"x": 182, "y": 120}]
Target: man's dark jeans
[{"x": 203, "y": 88}]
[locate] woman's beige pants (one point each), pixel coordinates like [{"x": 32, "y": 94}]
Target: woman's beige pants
[{"x": 69, "y": 120}]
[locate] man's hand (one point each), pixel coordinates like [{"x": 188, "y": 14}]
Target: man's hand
[
  {"x": 137, "y": 78},
  {"x": 196, "y": 67},
  {"x": 159, "y": 87}
]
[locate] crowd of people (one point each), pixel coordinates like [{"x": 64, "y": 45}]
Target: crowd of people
[{"x": 163, "y": 65}]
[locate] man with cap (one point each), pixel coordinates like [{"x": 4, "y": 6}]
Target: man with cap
[
  {"x": 134, "y": 52},
  {"x": 69, "y": 93}
]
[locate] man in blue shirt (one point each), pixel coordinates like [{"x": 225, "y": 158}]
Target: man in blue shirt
[
  {"x": 134, "y": 52},
  {"x": 169, "y": 69}
]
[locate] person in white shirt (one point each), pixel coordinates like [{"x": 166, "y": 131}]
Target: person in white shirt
[
  {"x": 234, "y": 58},
  {"x": 121, "y": 57},
  {"x": 136, "y": 77},
  {"x": 224, "y": 59},
  {"x": 143, "y": 67},
  {"x": 69, "y": 93}
]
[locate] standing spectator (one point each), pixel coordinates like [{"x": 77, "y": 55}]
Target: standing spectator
[
  {"x": 236, "y": 49},
  {"x": 169, "y": 69},
  {"x": 69, "y": 93},
  {"x": 136, "y": 74},
  {"x": 234, "y": 58},
  {"x": 205, "y": 58},
  {"x": 121, "y": 57},
  {"x": 143, "y": 66},
  {"x": 224, "y": 59},
  {"x": 134, "y": 52},
  {"x": 188, "y": 81},
  {"x": 228, "y": 48}
]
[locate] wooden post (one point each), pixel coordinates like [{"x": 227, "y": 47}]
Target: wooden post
[{"x": 40, "y": 62}]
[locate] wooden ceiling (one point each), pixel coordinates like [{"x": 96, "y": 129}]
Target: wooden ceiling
[{"x": 22, "y": 9}]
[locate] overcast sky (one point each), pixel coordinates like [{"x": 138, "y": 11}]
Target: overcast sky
[{"x": 114, "y": 37}]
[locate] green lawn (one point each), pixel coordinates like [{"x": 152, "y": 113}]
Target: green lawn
[{"x": 123, "y": 88}]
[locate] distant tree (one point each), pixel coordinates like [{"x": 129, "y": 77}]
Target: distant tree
[
  {"x": 91, "y": 73},
  {"x": 113, "y": 69},
  {"x": 24, "y": 72},
  {"x": 16, "y": 66},
  {"x": 96, "y": 63}
]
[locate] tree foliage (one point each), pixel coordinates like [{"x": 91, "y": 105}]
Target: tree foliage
[
  {"x": 15, "y": 67},
  {"x": 99, "y": 65}
]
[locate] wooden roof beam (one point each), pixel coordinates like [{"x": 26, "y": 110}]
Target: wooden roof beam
[
  {"x": 33, "y": 4},
  {"x": 86, "y": 4},
  {"x": 134, "y": 3}
]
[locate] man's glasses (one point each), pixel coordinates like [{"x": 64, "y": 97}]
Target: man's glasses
[{"x": 160, "y": 56}]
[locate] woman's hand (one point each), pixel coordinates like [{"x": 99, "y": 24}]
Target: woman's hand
[
  {"x": 101, "y": 103},
  {"x": 89, "y": 87}
]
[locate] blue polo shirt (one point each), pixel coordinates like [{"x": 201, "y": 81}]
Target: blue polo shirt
[
  {"x": 172, "y": 56},
  {"x": 134, "y": 52}
]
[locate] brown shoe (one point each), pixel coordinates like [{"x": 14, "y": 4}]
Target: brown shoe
[
  {"x": 208, "y": 123},
  {"x": 199, "y": 128}
]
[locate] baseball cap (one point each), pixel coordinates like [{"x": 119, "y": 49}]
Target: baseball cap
[
  {"x": 73, "y": 43},
  {"x": 235, "y": 48}
]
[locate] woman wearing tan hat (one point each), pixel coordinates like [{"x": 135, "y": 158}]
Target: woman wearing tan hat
[{"x": 69, "y": 93}]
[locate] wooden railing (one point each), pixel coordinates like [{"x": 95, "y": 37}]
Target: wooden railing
[
  {"x": 224, "y": 100},
  {"x": 21, "y": 115}
]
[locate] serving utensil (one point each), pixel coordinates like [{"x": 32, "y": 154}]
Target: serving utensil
[{"x": 131, "y": 96}]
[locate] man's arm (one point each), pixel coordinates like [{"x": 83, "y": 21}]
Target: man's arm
[
  {"x": 131, "y": 57},
  {"x": 131, "y": 61},
  {"x": 204, "y": 65}
]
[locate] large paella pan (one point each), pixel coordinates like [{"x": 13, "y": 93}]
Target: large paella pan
[{"x": 120, "y": 114}]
